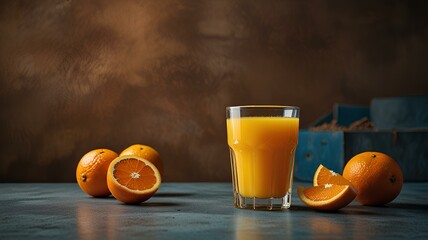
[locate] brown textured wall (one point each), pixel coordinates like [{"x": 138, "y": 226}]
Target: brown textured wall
[{"x": 78, "y": 75}]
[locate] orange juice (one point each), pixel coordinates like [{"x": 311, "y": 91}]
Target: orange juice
[{"x": 263, "y": 149}]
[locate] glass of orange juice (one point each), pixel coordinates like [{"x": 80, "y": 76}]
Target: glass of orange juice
[{"x": 262, "y": 141}]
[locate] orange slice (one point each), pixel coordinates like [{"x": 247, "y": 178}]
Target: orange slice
[
  {"x": 324, "y": 175},
  {"x": 133, "y": 179},
  {"x": 327, "y": 197}
]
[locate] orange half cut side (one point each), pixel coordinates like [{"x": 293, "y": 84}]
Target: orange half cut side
[{"x": 133, "y": 179}]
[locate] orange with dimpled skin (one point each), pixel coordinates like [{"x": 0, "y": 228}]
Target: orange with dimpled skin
[
  {"x": 376, "y": 176},
  {"x": 91, "y": 172}
]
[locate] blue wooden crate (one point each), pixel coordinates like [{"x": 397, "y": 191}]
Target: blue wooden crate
[
  {"x": 334, "y": 149},
  {"x": 346, "y": 114},
  {"x": 315, "y": 148},
  {"x": 400, "y": 112},
  {"x": 407, "y": 146},
  {"x": 401, "y": 132}
]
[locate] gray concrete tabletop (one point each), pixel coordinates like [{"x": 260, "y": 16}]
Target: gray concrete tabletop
[{"x": 198, "y": 211}]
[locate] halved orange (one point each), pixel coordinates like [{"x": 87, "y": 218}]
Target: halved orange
[
  {"x": 133, "y": 179},
  {"x": 145, "y": 152},
  {"x": 327, "y": 197},
  {"x": 324, "y": 175}
]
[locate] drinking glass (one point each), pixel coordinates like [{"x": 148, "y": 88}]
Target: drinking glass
[{"x": 262, "y": 141}]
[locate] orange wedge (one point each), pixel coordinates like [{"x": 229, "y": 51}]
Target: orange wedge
[
  {"x": 324, "y": 175},
  {"x": 327, "y": 197},
  {"x": 133, "y": 179}
]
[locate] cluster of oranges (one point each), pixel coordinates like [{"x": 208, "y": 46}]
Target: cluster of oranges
[
  {"x": 132, "y": 176},
  {"x": 371, "y": 178}
]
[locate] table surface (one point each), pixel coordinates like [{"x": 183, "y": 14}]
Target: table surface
[{"x": 198, "y": 211}]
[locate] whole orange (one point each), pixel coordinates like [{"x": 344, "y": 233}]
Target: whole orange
[
  {"x": 145, "y": 152},
  {"x": 91, "y": 172},
  {"x": 376, "y": 176}
]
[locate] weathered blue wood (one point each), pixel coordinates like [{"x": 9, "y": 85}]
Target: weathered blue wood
[
  {"x": 315, "y": 148},
  {"x": 199, "y": 211},
  {"x": 327, "y": 118},
  {"x": 400, "y": 112},
  {"x": 334, "y": 149},
  {"x": 346, "y": 114},
  {"x": 408, "y": 147},
  {"x": 401, "y": 132}
]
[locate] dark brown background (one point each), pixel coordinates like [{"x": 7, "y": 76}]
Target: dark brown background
[{"x": 79, "y": 75}]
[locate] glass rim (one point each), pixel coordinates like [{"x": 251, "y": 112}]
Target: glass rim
[{"x": 262, "y": 106}]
